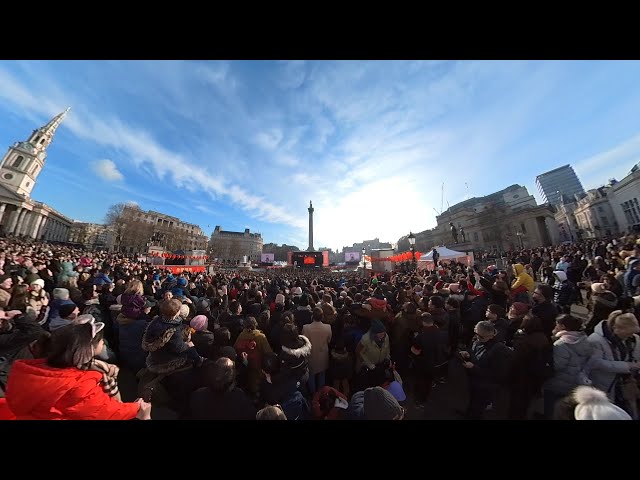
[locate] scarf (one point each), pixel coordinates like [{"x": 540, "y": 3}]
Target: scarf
[{"x": 109, "y": 373}]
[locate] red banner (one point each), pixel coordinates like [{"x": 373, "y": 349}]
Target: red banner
[{"x": 178, "y": 269}]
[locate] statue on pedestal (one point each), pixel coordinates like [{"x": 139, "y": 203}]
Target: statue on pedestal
[
  {"x": 464, "y": 237},
  {"x": 454, "y": 232}
]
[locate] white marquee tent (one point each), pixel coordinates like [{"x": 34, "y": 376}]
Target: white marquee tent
[{"x": 446, "y": 254}]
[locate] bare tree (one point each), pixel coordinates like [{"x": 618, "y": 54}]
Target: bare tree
[{"x": 116, "y": 219}]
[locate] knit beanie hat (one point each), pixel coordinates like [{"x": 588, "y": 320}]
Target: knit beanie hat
[
  {"x": 199, "y": 323},
  {"x": 4, "y": 277},
  {"x": 379, "y": 404},
  {"x": 521, "y": 308},
  {"x": 377, "y": 326},
  {"x": 66, "y": 309},
  {"x": 184, "y": 310},
  {"x": 279, "y": 299},
  {"x": 182, "y": 282},
  {"x": 38, "y": 281},
  {"x": 594, "y": 404}
]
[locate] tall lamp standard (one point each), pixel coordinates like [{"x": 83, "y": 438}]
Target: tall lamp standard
[
  {"x": 364, "y": 264},
  {"x": 412, "y": 246},
  {"x": 519, "y": 234}
]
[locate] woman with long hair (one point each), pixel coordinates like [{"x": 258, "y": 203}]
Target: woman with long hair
[{"x": 69, "y": 383}]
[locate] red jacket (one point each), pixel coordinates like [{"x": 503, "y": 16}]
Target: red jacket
[{"x": 36, "y": 391}]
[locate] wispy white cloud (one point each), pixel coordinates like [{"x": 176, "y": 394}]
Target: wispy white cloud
[
  {"x": 269, "y": 140},
  {"x": 615, "y": 162},
  {"x": 369, "y": 142},
  {"x": 107, "y": 170}
]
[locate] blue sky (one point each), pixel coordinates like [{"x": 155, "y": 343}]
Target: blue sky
[{"x": 246, "y": 144}]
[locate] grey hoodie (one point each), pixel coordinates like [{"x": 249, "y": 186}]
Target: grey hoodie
[{"x": 571, "y": 362}]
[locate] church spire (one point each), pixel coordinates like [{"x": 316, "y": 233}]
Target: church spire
[
  {"x": 51, "y": 127},
  {"x": 42, "y": 137}
]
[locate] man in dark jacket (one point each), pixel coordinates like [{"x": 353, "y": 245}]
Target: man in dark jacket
[
  {"x": 544, "y": 309},
  {"x": 429, "y": 350},
  {"x": 220, "y": 399},
  {"x": 488, "y": 365},
  {"x": 473, "y": 309}
]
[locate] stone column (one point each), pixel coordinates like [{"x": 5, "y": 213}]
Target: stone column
[
  {"x": 13, "y": 220},
  {"x": 43, "y": 225},
  {"x": 26, "y": 223},
  {"x": 18, "y": 225},
  {"x": 310, "y": 209},
  {"x": 36, "y": 226},
  {"x": 2, "y": 208}
]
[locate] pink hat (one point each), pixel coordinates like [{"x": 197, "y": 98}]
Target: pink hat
[{"x": 199, "y": 323}]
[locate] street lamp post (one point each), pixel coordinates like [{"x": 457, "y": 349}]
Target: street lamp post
[
  {"x": 519, "y": 234},
  {"x": 412, "y": 246}
]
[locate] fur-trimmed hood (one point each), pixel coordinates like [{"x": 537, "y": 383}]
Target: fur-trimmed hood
[{"x": 302, "y": 350}]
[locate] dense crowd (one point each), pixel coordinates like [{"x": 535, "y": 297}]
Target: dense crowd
[{"x": 286, "y": 345}]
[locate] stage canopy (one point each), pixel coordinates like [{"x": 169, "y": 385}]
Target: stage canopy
[{"x": 445, "y": 254}]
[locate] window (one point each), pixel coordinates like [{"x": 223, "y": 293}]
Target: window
[
  {"x": 18, "y": 161},
  {"x": 516, "y": 196},
  {"x": 8, "y": 176},
  {"x": 27, "y": 184},
  {"x": 475, "y": 236},
  {"x": 42, "y": 141},
  {"x": 523, "y": 228}
]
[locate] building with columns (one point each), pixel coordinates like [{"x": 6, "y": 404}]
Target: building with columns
[
  {"x": 504, "y": 220},
  {"x": 92, "y": 235},
  {"x": 230, "y": 248},
  {"x": 20, "y": 215}
]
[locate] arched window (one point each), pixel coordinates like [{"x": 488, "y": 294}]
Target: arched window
[
  {"x": 37, "y": 139},
  {"x": 18, "y": 161},
  {"x": 42, "y": 141}
]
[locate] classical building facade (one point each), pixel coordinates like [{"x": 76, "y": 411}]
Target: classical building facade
[
  {"x": 20, "y": 215},
  {"x": 368, "y": 245},
  {"x": 230, "y": 247},
  {"x": 565, "y": 218},
  {"x": 142, "y": 230},
  {"x": 92, "y": 235},
  {"x": 624, "y": 198},
  {"x": 594, "y": 215},
  {"x": 505, "y": 220}
]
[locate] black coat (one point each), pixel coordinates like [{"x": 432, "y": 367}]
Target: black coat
[
  {"x": 433, "y": 344},
  {"x": 547, "y": 312},
  {"x": 206, "y": 404},
  {"x": 492, "y": 364}
]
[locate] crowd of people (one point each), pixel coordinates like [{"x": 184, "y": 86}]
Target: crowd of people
[{"x": 297, "y": 345}]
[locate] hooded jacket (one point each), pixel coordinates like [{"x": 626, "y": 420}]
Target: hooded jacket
[
  {"x": 571, "y": 354},
  {"x": 563, "y": 289},
  {"x": 606, "y": 365},
  {"x": 295, "y": 358},
  {"x": 36, "y": 391},
  {"x": 168, "y": 350},
  {"x": 523, "y": 279}
]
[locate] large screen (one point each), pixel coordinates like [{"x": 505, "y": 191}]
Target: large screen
[
  {"x": 352, "y": 257},
  {"x": 307, "y": 259},
  {"x": 267, "y": 257}
]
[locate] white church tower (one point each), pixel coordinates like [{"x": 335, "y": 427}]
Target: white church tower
[{"x": 24, "y": 161}]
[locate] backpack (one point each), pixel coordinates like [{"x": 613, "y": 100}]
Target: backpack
[
  {"x": 254, "y": 355},
  {"x": 296, "y": 407}
]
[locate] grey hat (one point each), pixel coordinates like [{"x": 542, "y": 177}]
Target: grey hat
[{"x": 379, "y": 404}]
